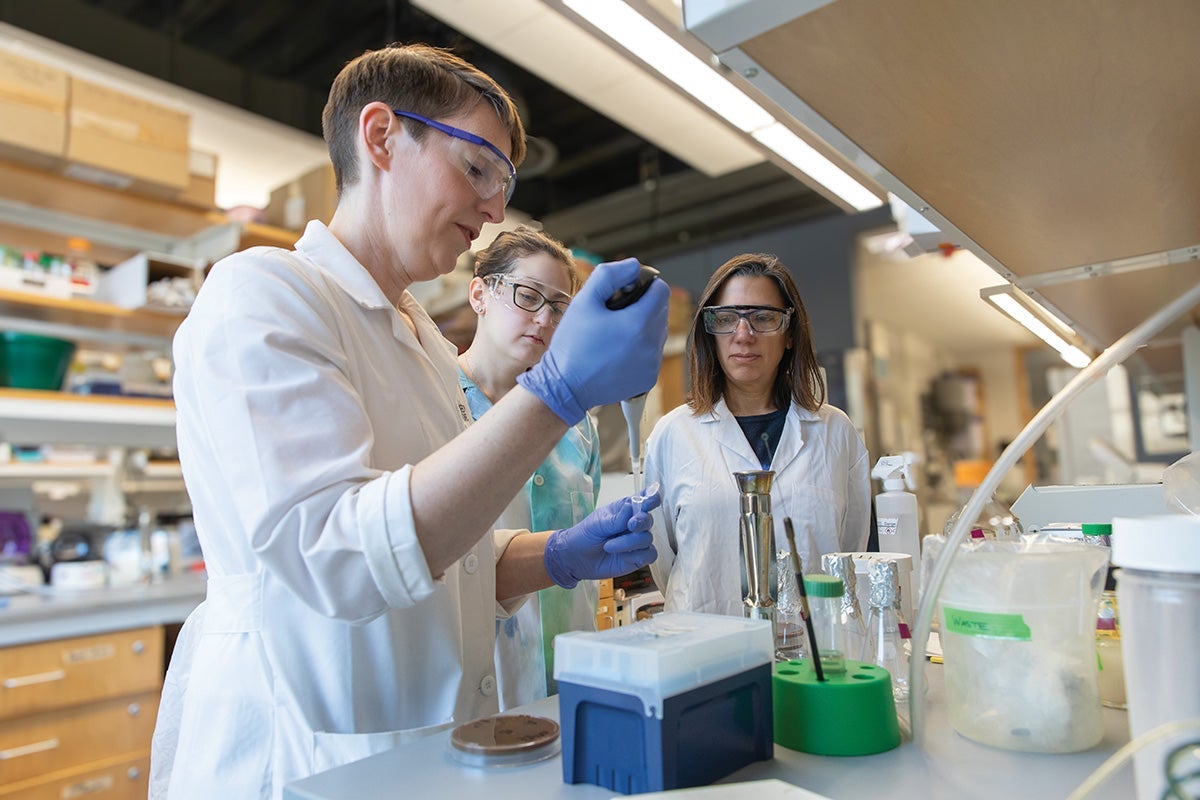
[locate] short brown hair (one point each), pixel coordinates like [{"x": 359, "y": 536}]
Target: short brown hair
[
  {"x": 425, "y": 80},
  {"x": 501, "y": 255},
  {"x": 798, "y": 377}
]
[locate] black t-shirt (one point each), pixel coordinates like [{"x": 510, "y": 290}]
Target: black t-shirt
[{"x": 763, "y": 431}]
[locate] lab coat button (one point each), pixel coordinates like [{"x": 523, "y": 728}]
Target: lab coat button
[
  {"x": 538, "y": 480},
  {"x": 470, "y": 563},
  {"x": 487, "y": 686}
]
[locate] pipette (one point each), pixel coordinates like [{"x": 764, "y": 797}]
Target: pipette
[{"x": 634, "y": 407}]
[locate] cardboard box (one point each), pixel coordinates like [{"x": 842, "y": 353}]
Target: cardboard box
[
  {"x": 313, "y": 195},
  {"x": 126, "y": 142},
  {"x": 33, "y": 105},
  {"x": 201, "y": 190}
]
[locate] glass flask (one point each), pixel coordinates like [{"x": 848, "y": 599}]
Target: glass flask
[{"x": 886, "y": 627}]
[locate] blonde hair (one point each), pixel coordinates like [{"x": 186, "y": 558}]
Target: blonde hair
[{"x": 510, "y": 246}]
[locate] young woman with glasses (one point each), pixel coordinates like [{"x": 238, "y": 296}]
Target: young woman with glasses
[
  {"x": 756, "y": 402},
  {"x": 523, "y": 283}
]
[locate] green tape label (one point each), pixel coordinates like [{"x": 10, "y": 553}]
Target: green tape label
[{"x": 986, "y": 625}]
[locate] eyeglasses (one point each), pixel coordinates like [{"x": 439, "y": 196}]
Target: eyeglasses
[
  {"x": 528, "y": 298},
  {"x": 487, "y": 169},
  {"x": 724, "y": 320}
]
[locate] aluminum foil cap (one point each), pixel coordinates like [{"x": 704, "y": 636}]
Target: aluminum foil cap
[
  {"x": 840, "y": 565},
  {"x": 884, "y": 587}
]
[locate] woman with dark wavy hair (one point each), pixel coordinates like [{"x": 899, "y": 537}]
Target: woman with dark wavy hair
[{"x": 757, "y": 401}]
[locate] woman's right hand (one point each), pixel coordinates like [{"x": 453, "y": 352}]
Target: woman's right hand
[{"x": 600, "y": 356}]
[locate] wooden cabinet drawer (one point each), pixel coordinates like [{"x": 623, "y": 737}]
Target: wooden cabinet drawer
[
  {"x": 119, "y": 779},
  {"x": 56, "y": 740},
  {"x": 67, "y": 672}
]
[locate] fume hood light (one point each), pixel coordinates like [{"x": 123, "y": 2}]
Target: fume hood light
[
  {"x": 1023, "y": 312},
  {"x": 645, "y": 40},
  {"x": 801, "y": 155}
]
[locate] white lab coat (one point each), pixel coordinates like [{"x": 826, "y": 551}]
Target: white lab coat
[
  {"x": 302, "y": 398},
  {"x": 559, "y": 494},
  {"x": 822, "y": 481}
]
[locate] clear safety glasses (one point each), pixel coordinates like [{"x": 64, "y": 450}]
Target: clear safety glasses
[
  {"x": 487, "y": 169},
  {"x": 527, "y": 298},
  {"x": 724, "y": 320}
]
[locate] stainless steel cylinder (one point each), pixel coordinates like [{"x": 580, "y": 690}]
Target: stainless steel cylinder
[{"x": 757, "y": 544}]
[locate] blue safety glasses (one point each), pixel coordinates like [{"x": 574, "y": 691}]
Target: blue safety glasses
[{"x": 486, "y": 168}]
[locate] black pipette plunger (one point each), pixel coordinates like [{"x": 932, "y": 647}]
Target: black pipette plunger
[{"x": 812, "y": 635}]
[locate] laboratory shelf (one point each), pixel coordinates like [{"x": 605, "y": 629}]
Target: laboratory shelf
[
  {"x": 34, "y": 417},
  {"x": 85, "y": 320}
]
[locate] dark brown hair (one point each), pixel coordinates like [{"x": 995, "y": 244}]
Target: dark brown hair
[
  {"x": 502, "y": 254},
  {"x": 425, "y": 80},
  {"x": 798, "y": 377}
]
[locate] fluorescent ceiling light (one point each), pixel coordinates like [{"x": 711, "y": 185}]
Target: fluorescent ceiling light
[
  {"x": 805, "y": 158},
  {"x": 648, "y": 42},
  {"x": 1009, "y": 304}
]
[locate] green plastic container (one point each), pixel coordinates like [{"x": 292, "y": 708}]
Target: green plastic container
[
  {"x": 29, "y": 361},
  {"x": 848, "y": 714}
]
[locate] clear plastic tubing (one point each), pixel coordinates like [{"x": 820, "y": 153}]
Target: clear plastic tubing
[{"x": 1116, "y": 353}]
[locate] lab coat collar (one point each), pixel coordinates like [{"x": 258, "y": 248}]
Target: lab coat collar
[
  {"x": 732, "y": 439},
  {"x": 330, "y": 256}
]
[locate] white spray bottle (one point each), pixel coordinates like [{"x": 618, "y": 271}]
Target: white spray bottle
[{"x": 896, "y": 510}]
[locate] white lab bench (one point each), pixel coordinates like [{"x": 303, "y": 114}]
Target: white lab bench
[{"x": 949, "y": 767}]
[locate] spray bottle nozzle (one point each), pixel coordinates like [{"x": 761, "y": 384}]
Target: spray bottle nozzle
[{"x": 894, "y": 471}]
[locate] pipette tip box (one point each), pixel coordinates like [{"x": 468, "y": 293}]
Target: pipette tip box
[{"x": 678, "y": 700}]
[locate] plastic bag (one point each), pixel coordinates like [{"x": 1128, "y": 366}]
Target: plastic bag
[{"x": 1181, "y": 484}]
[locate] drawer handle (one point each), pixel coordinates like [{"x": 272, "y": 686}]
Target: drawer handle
[
  {"x": 28, "y": 749},
  {"x": 30, "y": 680}
]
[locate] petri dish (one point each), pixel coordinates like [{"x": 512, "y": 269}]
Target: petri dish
[{"x": 505, "y": 740}]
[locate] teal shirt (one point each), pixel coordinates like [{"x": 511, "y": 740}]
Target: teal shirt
[{"x": 561, "y": 492}]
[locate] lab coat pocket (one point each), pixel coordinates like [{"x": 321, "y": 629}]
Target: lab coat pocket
[{"x": 331, "y": 750}]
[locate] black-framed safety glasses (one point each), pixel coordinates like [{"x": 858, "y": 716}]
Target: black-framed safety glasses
[{"x": 724, "y": 320}]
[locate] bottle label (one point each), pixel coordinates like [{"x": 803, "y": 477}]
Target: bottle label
[
  {"x": 887, "y": 526},
  {"x": 986, "y": 625}
]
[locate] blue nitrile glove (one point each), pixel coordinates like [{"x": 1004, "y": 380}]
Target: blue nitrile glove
[
  {"x": 609, "y": 542},
  {"x": 599, "y": 356}
]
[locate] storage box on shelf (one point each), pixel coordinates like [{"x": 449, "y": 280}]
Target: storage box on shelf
[
  {"x": 312, "y": 195},
  {"x": 125, "y": 141},
  {"x": 77, "y": 715},
  {"x": 33, "y": 105},
  {"x": 139, "y": 282}
]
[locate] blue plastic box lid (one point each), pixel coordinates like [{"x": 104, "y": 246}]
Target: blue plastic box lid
[{"x": 663, "y": 656}]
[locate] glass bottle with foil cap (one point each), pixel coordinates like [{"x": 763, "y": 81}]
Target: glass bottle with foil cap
[
  {"x": 790, "y": 632},
  {"x": 887, "y": 629}
]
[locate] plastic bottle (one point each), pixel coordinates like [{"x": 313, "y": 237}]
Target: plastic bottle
[
  {"x": 825, "y": 604},
  {"x": 896, "y": 510},
  {"x": 887, "y": 629},
  {"x": 1108, "y": 652}
]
